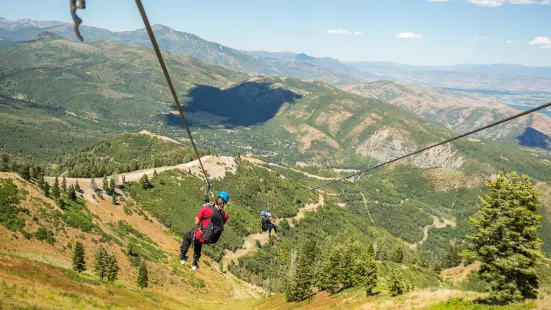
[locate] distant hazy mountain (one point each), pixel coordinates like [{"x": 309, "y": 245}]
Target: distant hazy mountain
[
  {"x": 334, "y": 71},
  {"x": 26, "y": 23},
  {"x": 494, "y": 77},
  {"x": 509, "y": 69},
  {"x": 186, "y": 44}
]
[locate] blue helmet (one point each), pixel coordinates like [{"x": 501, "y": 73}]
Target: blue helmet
[
  {"x": 225, "y": 196},
  {"x": 262, "y": 213}
]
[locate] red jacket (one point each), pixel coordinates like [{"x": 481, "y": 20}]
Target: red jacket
[{"x": 203, "y": 213}]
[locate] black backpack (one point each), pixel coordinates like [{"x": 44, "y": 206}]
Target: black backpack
[
  {"x": 263, "y": 224},
  {"x": 215, "y": 227}
]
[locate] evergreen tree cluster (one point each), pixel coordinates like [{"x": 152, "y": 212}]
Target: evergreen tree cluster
[
  {"x": 79, "y": 263},
  {"x": 345, "y": 265},
  {"x": 106, "y": 265}
]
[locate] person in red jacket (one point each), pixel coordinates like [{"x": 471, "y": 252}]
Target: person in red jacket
[{"x": 209, "y": 225}]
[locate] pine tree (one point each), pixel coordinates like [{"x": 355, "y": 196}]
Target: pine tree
[
  {"x": 143, "y": 280},
  {"x": 381, "y": 250},
  {"x": 112, "y": 268},
  {"x": 123, "y": 179},
  {"x": 395, "y": 286},
  {"x": 79, "y": 264},
  {"x": 114, "y": 199},
  {"x": 55, "y": 189},
  {"x": 72, "y": 193},
  {"x": 354, "y": 263},
  {"x": 77, "y": 187},
  {"x": 370, "y": 273},
  {"x": 397, "y": 255},
  {"x": 100, "y": 263},
  {"x": 506, "y": 242},
  {"x": 64, "y": 184},
  {"x": 24, "y": 172},
  {"x": 112, "y": 186},
  {"x": 155, "y": 174},
  {"x": 331, "y": 274},
  {"x": 300, "y": 286},
  {"x": 144, "y": 182},
  {"x": 46, "y": 189},
  {"x": 105, "y": 185}
]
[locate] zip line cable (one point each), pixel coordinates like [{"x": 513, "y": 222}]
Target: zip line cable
[
  {"x": 543, "y": 106},
  {"x": 169, "y": 81}
]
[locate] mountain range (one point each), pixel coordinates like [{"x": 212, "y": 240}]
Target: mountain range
[{"x": 497, "y": 76}]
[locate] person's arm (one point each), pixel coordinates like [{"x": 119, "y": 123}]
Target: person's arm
[{"x": 226, "y": 217}]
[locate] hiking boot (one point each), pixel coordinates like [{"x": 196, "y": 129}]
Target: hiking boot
[
  {"x": 183, "y": 259},
  {"x": 195, "y": 266}
]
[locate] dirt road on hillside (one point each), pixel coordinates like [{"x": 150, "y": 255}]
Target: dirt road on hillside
[{"x": 216, "y": 167}]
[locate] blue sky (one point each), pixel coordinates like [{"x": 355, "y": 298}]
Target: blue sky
[{"x": 422, "y": 32}]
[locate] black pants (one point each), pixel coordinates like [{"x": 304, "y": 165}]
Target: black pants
[
  {"x": 186, "y": 243},
  {"x": 270, "y": 227}
]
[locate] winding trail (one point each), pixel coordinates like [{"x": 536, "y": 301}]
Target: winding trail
[
  {"x": 436, "y": 224},
  {"x": 249, "y": 245}
]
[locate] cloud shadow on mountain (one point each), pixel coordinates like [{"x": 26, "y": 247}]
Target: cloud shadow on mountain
[
  {"x": 534, "y": 138},
  {"x": 247, "y": 104}
]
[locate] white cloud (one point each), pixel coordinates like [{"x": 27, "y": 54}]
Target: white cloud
[
  {"x": 357, "y": 33},
  {"x": 409, "y": 35},
  {"x": 546, "y": 46},
  {"x": 478, "y": 38},
  {"x": 508, "y": 41},
  {"x": 541, "y": 41},
  {"x": 338, "y": 31},
  {"x": 496, "y": 3}
]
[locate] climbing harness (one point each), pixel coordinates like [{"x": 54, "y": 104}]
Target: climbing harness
[{"x": 76, "y": 19}]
